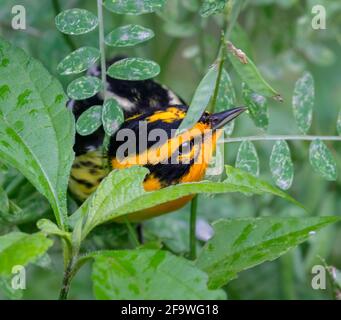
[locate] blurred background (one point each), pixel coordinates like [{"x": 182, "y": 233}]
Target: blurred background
[{"x": 277, "y": 34}]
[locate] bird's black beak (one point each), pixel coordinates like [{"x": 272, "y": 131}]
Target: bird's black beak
[{"x": 220, "y": 119}]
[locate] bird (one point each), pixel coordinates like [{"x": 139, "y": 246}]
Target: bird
[{"x": 171, "y": 159}]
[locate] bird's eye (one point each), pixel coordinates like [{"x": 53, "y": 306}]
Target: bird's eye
[{"x": 186, "y": 147}]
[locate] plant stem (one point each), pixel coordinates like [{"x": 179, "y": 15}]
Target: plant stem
[
  {"x": 132, "y": 233},
  {"x": 192, "y": 229},
  {"x": 57, "y": 9},
  {"x": 221, "y": 61},
  {"x": 102, "y": 46},
  {"x": 281, "y": 137},
  {"x": 68, "y": 275}
]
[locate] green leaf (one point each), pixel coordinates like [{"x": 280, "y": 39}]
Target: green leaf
[
  {"x": 338, "y": 124},
  {"x": 50, "y": 228},
  {"x": 4, "y": 201},
  {"x": 128, "y": 36},
  {"x": 32, "y": 98},
  {"x": 226, "y": 98},
  {"x": 201, "y": 99},
  {"x": 303, "y": 102},
  {"x": 249, "y": 73},
  {"x": 134, "y": 69},
  {"x": 322, "y": 160},
  {"x": 18, "y": 248},
  {"x": 112, "y": 116},
  {"x": 84, "y": 87},
  {"x": 257, "y": 106},
  {"x": 247, "y": 158},
  {"x": 133, "y": 7},
  {"x": 240, "y": 178},
  {"x": 239, "y": 244},
  {"x": 137, "y": 274},
  {"x": 89, "y": 121},
  {"x": 121, "y": 195},
  {"x": 76, "y": 21},
  {"x": 7, "y": 290},
  {"x": 78, "y": 61},
  {"x": 210, "y": 7},
  {"x": 281, "y": 166}
]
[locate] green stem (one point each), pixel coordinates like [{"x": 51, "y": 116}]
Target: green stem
[
  {"x": 192, "y": 229},
  {"x": 68, "y": 276},
  {"x": 102, "y": 47},
  {"x": 57, "y": 9},
  {"x": 282, "y": 137},
  {"x": 132, "y": 233},
  {"x": 221, "y": 61}
]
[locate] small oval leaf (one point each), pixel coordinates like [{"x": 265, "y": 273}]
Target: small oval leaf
[
  {"x": 84, "y": 87},
  {"x": 134, "y": 69},
  {"x": 200, "y": 100},
  {"x": 133, "y": 7},
  {"x": 322, "y": 160},
  {"x": 78, "y": 61},
  {"x": 247, "y": 158},
  {"x": 210, "y": 7},
  {"x": 257, "y": 106},
  {"x": 338, "y": 125},
  {"x": 89, "y": 121},
  {"x": 281, "y": 166},
  {"x": 303, "y": 102},
  {"x": 76, "y": 21},
  {"x": 226, "y": 99},
  {"x": 249, "y": 73},
  {"x": 128, "y": 36},
  {"x": 112, "y": 116}
]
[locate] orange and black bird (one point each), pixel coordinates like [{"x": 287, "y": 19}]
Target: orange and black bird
[{"x": 174, "y": 159}]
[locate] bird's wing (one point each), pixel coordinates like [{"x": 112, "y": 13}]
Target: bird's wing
[{"x": 134, "y": 97}]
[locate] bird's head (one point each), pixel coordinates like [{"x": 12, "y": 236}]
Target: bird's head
[{"x": 151, "y": 140}]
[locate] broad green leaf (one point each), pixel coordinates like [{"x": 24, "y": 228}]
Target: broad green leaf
[
  {"x": 89, "y": 121},
  {"x": 210, "y": 7},
  {"x": 137, "y": 274},
  {"x": 84, "y": 87},
  {"x": 257, "y": 106},
  {"x": 226, "y": 98},
  {"x": 243, "y": 179},
  {"x": 179, "y": 30},
  {"x": 134, "y": 69},
  {"x": 7, "y": 290},
  {"x": 247, "y": 158},
  {"x": 239, "y": 244},
  {"x": 249, "y": 73},
  {"x": 18, "y": 248},
  {"x": 201, "y": 99},
  {"x": 121, "y": 195},
  {"x": 303, "y": 102},
  {"x": 112, "y": 116},
  {"x": 32, "y": 99},
  {"x": 322, "y": 160},
  {"x": 281, "y": 166},
  {"x": 338, "y": 124},
  {"x": 128, "y": 36},
  {"x": 78, "y": 61},
  {"x": 133, "y": 7},
  {"x": 76, "y": 21}
]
